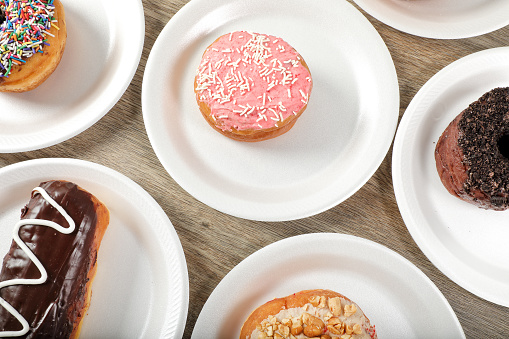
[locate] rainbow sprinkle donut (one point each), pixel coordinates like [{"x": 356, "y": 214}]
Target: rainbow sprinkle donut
[{"x": 29, "y": 28}]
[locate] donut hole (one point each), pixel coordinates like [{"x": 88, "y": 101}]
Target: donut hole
[{"x": 503, "y": 145}]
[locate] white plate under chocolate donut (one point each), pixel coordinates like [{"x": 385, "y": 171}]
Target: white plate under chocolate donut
[
  {"x": 333, "y": 149},
  {"x": 394, "y": 294},
  {"x": 440, "y": 19},
  {"x": 467, "y": 243},
  {"x": 103, "y": 49},
  {"x": 141, "y": 289}
]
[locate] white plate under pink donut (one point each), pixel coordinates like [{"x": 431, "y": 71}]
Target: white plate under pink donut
[
  {"x": 102, "y": 53},
  {"x": 333, "y": 149}
]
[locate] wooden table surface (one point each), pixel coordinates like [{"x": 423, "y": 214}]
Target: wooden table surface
[{"x": 214, "y": 242}]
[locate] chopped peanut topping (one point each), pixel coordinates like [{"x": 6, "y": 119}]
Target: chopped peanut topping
[
  {"x": 324, "y": 318},
  {"x": 350, "y": 309},
  {"x": 335, "y": 306}
]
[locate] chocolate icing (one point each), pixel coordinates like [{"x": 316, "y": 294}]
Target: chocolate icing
[
  {"x": 51, "y": 308},
  {"x": 483, "y": 137}
]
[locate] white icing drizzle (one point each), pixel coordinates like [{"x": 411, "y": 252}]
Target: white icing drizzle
[{"x": 31, "y": 255}]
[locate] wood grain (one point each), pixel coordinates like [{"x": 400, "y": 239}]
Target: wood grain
[{"x": 214, "y": 242}]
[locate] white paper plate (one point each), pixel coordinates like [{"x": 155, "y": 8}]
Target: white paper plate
[
  {"x": 396, "y": 296},
  {"x": 449, "y": 19},
  {"x": 440, "y": 19},
  {"x": 141, "y": 287},
  {"x": 103, "y": 49},
  {"x": 332, "y": 150},
  {"x": 466, "y": 243}
]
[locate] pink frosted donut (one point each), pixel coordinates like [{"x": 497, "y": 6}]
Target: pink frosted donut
[{"x": 252, "y": 87}]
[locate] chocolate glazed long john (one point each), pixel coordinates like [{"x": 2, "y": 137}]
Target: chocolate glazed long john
[
  {"x": 35, "y": 260},
  {"x": 67, "y": 262}
]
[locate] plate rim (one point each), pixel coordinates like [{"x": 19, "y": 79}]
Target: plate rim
[
  {"x": 320, "y": 237},
  {"x": 402, "y": 198},
  {"x": 29, "y": 144},
  {"x": 170, "y": 328},
  {"x": 260, "y": 212},
  {"x": 440, "y": 33}
]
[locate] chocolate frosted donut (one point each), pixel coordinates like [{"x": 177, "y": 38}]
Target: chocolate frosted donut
[
  {"x": 46, "y": 277},
  {"x": 472, "y": 154}
]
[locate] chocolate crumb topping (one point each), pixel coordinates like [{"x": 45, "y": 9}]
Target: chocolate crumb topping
[{"x": 484, "y": 140}]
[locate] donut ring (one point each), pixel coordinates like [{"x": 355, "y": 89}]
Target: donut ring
[
  {"x": 251, "y": 86},
  {"x": 33, "y": 34},
  {"x": 472, "y": 154},
  {"x": 320, "y": 314}
]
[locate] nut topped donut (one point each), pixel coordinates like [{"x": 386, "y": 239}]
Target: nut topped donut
[
  {"x": 472, "y": 154},
  {"x": 317, "y": 314},
  {"x": 251, "y": 86},
  {"x": 32, "y": 40}
]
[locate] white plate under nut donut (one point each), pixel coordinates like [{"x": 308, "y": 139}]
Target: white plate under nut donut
[{"x": 400, "y": 300}]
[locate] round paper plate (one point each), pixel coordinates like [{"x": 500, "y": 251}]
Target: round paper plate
[
  {"x": 141, "y": 288},
  {"x": 394, "y": 294},
  {"x": 103, "y": 49},
  {"x": 439, "y": 19},
  {"x": 466, "y": 243},
  {"x": 334, "y": 148}
]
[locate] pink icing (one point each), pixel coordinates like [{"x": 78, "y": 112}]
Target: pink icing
[{"x": 252, "y": 81}]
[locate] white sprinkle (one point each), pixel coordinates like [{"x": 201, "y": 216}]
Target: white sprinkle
[{"x": 218, "y": 64}]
